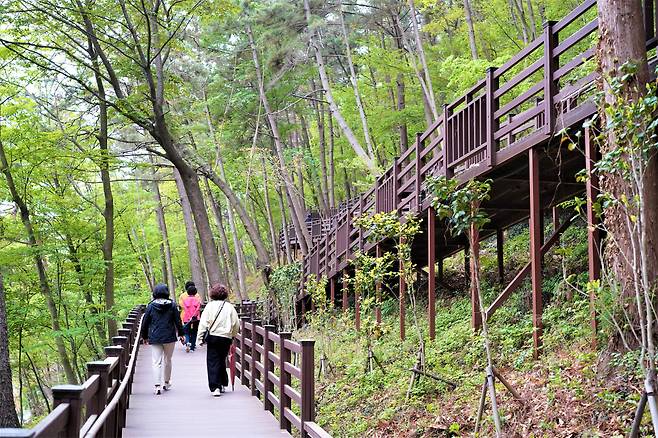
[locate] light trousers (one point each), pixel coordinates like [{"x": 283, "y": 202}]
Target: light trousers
[{"x": 162, "y": 353}]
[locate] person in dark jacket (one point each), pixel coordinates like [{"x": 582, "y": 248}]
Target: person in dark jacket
[{"x": 160, "y": 328}]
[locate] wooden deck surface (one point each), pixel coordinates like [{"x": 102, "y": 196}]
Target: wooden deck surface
[{"x": 188, "y": 409}]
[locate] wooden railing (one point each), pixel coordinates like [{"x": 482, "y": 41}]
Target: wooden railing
[
  {"x": 98, "y": 406},
  {"x": 267, "y": 362},
  {"x": 544, "y": 88}
]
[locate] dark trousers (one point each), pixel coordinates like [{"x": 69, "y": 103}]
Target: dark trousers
[
  {"x": 217, "y": 351},
  {"x": 191, "y": 330}
]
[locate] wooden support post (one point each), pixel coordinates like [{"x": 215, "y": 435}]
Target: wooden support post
[
  {"x": 284, "y": 379},
  {"x": 500, "y": 246},
  {"x": 71, "y": 394},
  {"x": 345, "y": 290},
  {"x": 117, "y": 351},
  {"x": 431, "y": 271},
  {"x": 307, "y": 407},
  {"x": 476, "y": 314},
  {"x": 535, "y": 251},
  {"x": 378, "y": 290},
  {"x": 593, "y": 234},
  {"x": 268, "y": 346}
]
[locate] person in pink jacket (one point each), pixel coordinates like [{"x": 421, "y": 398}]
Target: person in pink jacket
[{"x": 191, "y": 306}]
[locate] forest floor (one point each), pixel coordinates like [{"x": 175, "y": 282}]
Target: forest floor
[{"x": 571, "y": 391}]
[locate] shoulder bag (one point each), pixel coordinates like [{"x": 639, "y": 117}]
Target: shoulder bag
[{"x": 204, "y": 336}]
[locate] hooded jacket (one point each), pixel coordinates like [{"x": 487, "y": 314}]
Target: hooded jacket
[{"x": 162, "y": 324}]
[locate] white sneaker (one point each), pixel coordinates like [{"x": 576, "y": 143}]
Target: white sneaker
[
  {"x": 216, "y": 393},
  {"x": 187, "y": 347},
  {"x": 157, "y": 390},
  {"x": 167, "y": 386}
]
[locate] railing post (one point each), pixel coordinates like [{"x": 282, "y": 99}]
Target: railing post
[
  {"x": 117, "y": 351},
  {"x": 122, "y": 341},
  {"x": 419, "y": 164},
  {"x": 243, "y": 363},
  {"x": 128, "y": 334},
  {"x": 70, "y": 394},
  {"x": 447, "y": 144},
  {"x": 550, "y": 65},
  {"x": 268, "y": 346},
  {"x": 255, "y": 355},
  {"x": 492, "y": 121},
  {"x": 396, "y": 183},
  {"x": 102, "y": 369},
  {"x": 284, "y": 379},
  {"x": 308, "y": 383}
]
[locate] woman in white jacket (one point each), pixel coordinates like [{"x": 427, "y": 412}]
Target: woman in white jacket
[{"x": 220, "y": 319}]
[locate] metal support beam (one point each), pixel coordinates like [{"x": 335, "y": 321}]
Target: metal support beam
[
  {"x": 535, "y": 251},
  {"x": 378, "y": 290},
  {"x": 431, "y": 270},
  {"x": 345, "y": 289},
  {"x": 402, "y": 292},
  {"x": 476, "y": 315},
  {"x": 332, "y": 291},
  {"x": 593, "y": 234},
  {"x": 500, "y": 242}
]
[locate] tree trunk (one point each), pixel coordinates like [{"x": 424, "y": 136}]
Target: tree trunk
[
  {"x": 367, "y": 158},
  {"x": 318, "y": 107},
  {"x": 196, "y": 269},
  {"x": 297, "y": 214},
  {"x": 355, "y": 85},
  {"x": 225, "y": 249},
  {"x": 237, "y": 245},
  {"x": 468, "y": 15},
  {"x": 8, "y": 416},
  {"x": 270, "y": 216},
  {"x": 423, "y": 61},
  {"x": 284, "y": 226},
  {"x": 40, "y": 266},
  {"x": 168, "y": 274},
  {"x": 332, "y": 164},
  {"x": 108, "y": 209},
  {"x": 618, "y": 46}
]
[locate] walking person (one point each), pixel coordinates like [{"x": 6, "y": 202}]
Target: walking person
[
  {"x": 191, "y": 305},
  {"x": 220, "y": 320},
  {"x": 160, "y": 327}
]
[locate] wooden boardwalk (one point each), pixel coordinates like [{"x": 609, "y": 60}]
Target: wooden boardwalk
[{"x": 189, "y": 409}]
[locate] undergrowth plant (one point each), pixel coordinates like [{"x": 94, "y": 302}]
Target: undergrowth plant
[
  {"x": 284, "y": 281},
  {"x": 368, "y": 273},
  {"x": 321, "y": 317}
]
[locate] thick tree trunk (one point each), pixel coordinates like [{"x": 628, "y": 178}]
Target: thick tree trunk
[
  {"x": 468, "y": 15},
  {"x": 297, "y": 212},
  {"x": 196, "y": 268},
  {"x": 367, "y": 158},
  {"x": 8, "y": 416},
  {"x": 40, "y": 266},
  {"x": 332, "y": 164},
  {"x": 618, "y": 46},
  {"x": 168, "y": 274}
]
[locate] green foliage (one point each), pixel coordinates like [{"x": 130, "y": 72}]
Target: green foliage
[
  {"x": 461, "y": 206},
  {"x": 284, "y": 282}
]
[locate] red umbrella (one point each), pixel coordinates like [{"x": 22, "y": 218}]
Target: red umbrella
[{"x": 231, "y": 363}]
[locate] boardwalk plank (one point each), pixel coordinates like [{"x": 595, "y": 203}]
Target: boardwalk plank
[{"x": 189, "y": 409}]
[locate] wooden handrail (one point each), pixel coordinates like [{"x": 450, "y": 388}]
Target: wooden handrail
[
  {"x": 66, "y": 418},
  {"x": 270, "y": 376}
]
